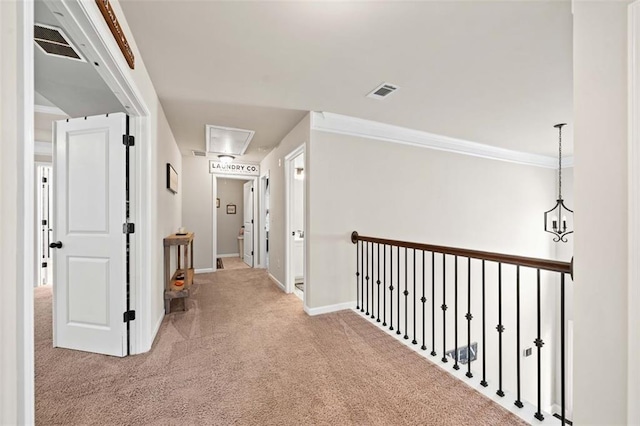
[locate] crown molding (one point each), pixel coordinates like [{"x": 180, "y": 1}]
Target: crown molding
[
  {"x": 43, "y": 109},
  {"x": 43, "y": 148},
  {"x": 351, "y": 126}
]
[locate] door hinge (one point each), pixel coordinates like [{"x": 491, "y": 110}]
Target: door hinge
[
  {"x": 128, "y": 140},
  {"x": 44, "y": 264},
  {"x": 251, "y": 189},
  {"x": 128, "y": 228},
  {"x": 44, "y": 222},
  {"x": 251, "y": 252},
  {"x": 251, "y": 220},
  {"x": 44, "y": 180},
  {"x": 129, "y": 316}
]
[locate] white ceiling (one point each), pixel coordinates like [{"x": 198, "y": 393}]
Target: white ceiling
[{"x": 497, "y": 72}]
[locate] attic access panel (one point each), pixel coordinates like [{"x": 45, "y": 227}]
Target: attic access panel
[{"x": 227, "y": 140}]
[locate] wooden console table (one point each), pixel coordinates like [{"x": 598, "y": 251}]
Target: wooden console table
[{"x": 183, "y": 243}]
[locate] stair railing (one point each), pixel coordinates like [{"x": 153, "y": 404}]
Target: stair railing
[{"x": 390, "y": 290}]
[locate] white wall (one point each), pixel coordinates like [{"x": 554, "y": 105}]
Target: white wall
[
  {"x": 274, "y": 164},
  {"x": 197, "y": 204},
  {"x": 600, "y": 99},
  {"x": 230, "y": 191}
]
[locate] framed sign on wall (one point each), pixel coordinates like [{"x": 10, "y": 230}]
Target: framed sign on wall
[{"x": 172, "y": 179}]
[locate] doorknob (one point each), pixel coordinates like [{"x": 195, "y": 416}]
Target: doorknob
[{"x": 57, "y": 244}]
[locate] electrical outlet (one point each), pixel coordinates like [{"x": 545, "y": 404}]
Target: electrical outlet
[{"x": 527, "y": 352}]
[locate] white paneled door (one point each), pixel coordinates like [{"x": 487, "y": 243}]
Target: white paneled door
[
  {"x": 248, "y": 223},
  {"x": 89, "y": 213}
]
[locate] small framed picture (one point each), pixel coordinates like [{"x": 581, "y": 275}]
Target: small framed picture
[
  {"x": 217, "y": 203},
  {"x": 172, "y": 179},
  {"x": 231, "y": 209}
]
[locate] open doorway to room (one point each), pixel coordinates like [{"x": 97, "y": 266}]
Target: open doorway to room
[
  {"x": 85, "y": 184},
  {"x": 235, "y": 226},
  {"x": 265, "y": 191},
  {"x": 295, "y": 199}
]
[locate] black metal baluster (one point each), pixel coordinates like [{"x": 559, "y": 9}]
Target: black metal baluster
[
  {"x": 367, "y": 278},
  {"x": 539, "y": 343},
  {"x": 469, "y": 318},
  {"x": 562, "y": 348},
  {"x": 384, "y": 290},
  {"x": 444, "y": 308},
  {"x": 518, "y": 402},
  {"x": 391, "y": 288},
  {"x": 406, "y": 296},
  {"x": 414, "y": 341},
  {"x": 455, "y": 314},
  {"x": 423, "y": 300},
  {"x": 483, "y": 382},
  {"x": 500, "y": 329},
  {"x": 398, "y": 322},
  {"x": 358, "y": 245},
  {"x": 378, "y": 284},
  {"x": 433, "y": 304},
  {"x": 362, "y": 276}
]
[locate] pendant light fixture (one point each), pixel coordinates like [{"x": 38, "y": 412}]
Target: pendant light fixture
[
  {"x": 555, "y": 220},
  {"x": 226, "y": 158}
]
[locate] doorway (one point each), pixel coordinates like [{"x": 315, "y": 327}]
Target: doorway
[
  {"x": 296, "y": 218},
  {"x": 265, "y": 191},
  {"x": 235, "y": 222},
  {"x": 44, "y": 212}
]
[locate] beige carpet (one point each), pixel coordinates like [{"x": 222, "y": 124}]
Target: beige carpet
[
  {"x": 234, "y": 263},
  {"x": 246, "y": 354}
]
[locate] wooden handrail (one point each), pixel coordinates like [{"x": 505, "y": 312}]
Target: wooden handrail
[{"x": 531, "y": 262}]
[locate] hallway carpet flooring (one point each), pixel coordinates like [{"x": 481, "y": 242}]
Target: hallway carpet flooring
[
  {"x": 246, "y": 354},
  {"x": 234, "y": 263}
]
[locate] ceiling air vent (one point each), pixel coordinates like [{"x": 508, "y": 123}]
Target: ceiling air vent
[
  {"x": 53, "y": 42},
  {"x": 382, "y": 91},
  {"x": 227, "y": 140},
  {"x": 199, "y": 153}
]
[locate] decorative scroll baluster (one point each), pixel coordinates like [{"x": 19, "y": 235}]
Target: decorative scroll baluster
[
  {"x": 518, "y": 402},
  {"x": 406, "y": 296},
  {"x": 384, "y": 290},
  {"x": 483, "y": 382},
  {"x": 423, "y": 300},
  {"x": 391, "y": 288},
  {"x": 358, "y": 246},
  {"x": 378, "y": 284},
  {"x": 398, "y": 322},
  {"x": 455, "y": 314},
  {"x": 469, "y": 317},
  {"x": 500, "y": 329},
  {"x": 539, "y": 343},
  {"x": 433, "y": 304},
  {"x": 563, "y": 406},
  {"x": 367, "y": 277},
  {"x": 444, "y": 308}
]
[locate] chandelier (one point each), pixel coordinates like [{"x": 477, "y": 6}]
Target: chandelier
[{"x": 555, "y": 219}]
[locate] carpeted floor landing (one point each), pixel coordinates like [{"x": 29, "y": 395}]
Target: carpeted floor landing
[{"x": 246, "y": 354}]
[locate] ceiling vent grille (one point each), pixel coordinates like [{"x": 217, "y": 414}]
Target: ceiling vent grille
[
  {"x": 383, "y": 91},
  {"x": 199, "y": 153},
  {"x": 53, "y": 42}
]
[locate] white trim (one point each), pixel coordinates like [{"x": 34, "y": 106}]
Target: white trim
[
  {"x": 204, "y": 270},
  {"x": 157, "y": 327},
  {"x": 555, "y": 409},
  {"x": 289, "y": 280},
  {"x": 351, "y": 126},
  {"x": 229, "y": 255},
  {"x": 329, "y": 308},
  {"x": 43, "y": 109},
  {"x": 633, "y": 327},
  {"x": 278, "y": 283},
  {"x": 43, "y": 148}
]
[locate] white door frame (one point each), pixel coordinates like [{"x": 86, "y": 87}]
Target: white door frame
[
  {"x": 262, "y": 236},
  {"x": 84, "y": 23},
  {"x": 214, "y": 213},
  {"x": 288, "y": 183},
  {"x": 633, "y": 370}
]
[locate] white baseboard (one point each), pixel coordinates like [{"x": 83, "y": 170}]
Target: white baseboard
[
  {"x": 229, "y": 255},
  {"x": 204, "y": 270},
  {"x": 329, "y": 308},
  {"x": 278, "y": 283},
  {"x": 155, "y": 331}
]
